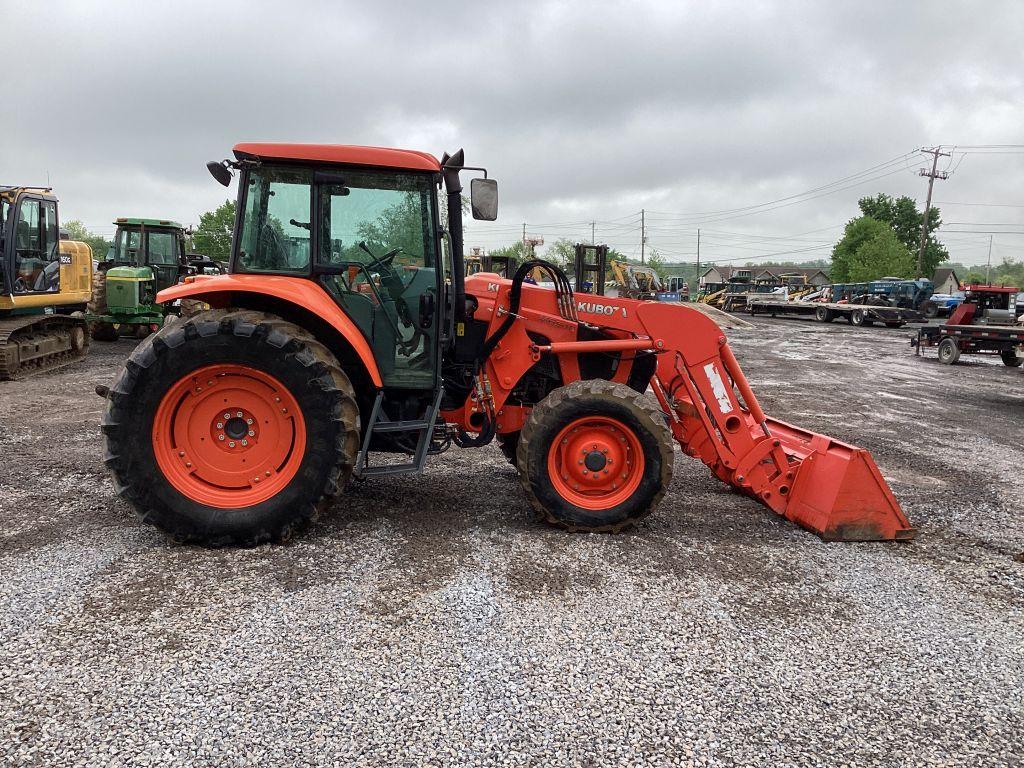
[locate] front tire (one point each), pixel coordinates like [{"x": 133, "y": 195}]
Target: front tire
[
  {"x": 595, "y": 456},
  {"x": 191, "y": 466}
]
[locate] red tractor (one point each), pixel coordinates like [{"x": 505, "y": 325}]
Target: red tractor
[{"x": 345, "y": 329}]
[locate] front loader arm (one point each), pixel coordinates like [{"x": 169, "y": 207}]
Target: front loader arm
[{"x": 826, "y": 486}]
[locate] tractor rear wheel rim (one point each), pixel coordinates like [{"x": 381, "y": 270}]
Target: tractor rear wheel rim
[
  {"x": 229, "y": 436},
  {"x": 596, "y": 462}
]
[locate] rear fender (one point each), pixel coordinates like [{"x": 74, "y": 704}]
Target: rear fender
[{"x": 296, "y": 299}]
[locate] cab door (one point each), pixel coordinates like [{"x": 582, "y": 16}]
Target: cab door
[
  {"x": 377, "y": 254},
  {"x": 36, "y": 247}
]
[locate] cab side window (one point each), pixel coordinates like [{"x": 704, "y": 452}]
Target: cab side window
[
  {"x": 163, "y": 248},
  {"x": 276, "y": 222}
]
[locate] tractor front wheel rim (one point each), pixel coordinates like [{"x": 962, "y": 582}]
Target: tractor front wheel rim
[
  {"x": 596, "y": 462},
  {"x": 229, "y": 436}
]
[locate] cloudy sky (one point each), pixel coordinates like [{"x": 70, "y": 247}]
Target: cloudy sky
[{"x": 712, "y": 115}]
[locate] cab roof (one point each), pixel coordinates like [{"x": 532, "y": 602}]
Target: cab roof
[
  {"x": 127, "y": 221},
  {"x": 342, "y": 154}
]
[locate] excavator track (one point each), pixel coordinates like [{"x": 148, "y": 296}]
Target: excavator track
[{"x": 32, "y": 344}]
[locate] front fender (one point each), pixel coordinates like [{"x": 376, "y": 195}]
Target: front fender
[{"x": 221, "y": 290}]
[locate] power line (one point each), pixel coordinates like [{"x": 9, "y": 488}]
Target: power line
[{"x": 981, "y": 205}]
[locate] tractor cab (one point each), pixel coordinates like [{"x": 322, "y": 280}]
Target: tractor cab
[
  {"x": 156, "y": 245},
  {"x": 147, "y": 256}
]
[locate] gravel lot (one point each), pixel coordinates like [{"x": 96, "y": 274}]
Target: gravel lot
[{"x": 427, "y": 621}]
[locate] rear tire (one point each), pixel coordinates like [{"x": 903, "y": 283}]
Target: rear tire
[
  {"x": 156, "y": 419},
  {"x": 1010, "y": 359},
  {"x": 949, "y": 351},
  {"x": 625, "y": 456},
  {"x": 858, "y": 317},
  {"x": 824, "y": 315},
  {"x": 930, "y": 309}
]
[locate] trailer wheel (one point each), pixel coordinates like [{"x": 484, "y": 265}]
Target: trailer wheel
[
  {"x": 1010, "y": 359},
  {"x": 949, "y": 351},
  {"x": 595, "y": 456},
  {"x": 858, "y": 317},
  {"x": 231, "y": 428},
  {"x": 930, "y": 309},
  {"x": 824, "y": 315}
]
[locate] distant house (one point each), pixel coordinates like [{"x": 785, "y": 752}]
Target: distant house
[
  {"x": 767, "y": 274},
  {"x": 946, "y": 281}
]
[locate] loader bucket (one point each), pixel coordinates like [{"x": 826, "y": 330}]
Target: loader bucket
[{"x": 838, "y": 492}]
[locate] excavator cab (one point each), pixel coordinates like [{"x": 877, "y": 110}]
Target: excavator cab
[
  {"x": 30, "y": 241},
  {"x": 347, "y": 330}
]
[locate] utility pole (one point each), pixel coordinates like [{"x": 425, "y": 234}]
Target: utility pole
[
  {"x": 988, "y": 267},
  {"x": 698, "y": 258},
  {"x": 593, "y": 226},
  {"x": 933, "y": 174},
  {"x": 524, "y": 233},
  {"x": 643, "y": 233}
]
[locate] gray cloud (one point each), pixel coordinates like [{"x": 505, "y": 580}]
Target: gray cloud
[{"x": 584, "y": 111}]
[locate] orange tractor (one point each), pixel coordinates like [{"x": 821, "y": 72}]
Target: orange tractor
[{"x": 345, "y": 331}]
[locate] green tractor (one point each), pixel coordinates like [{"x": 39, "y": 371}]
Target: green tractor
[{"x": 147, "y": 256}]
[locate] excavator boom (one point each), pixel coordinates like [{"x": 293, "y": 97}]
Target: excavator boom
[{"x": 823, "y": 485}]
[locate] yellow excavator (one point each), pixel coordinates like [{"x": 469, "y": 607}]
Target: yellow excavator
[{"x": 47, "y": 283}]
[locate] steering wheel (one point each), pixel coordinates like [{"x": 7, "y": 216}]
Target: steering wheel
[
  {"x": 383, "y": 262},
  {"x": 390, "y": 280}
]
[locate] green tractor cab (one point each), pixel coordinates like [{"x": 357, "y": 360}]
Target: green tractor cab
[{"x": 147, "y": 256}]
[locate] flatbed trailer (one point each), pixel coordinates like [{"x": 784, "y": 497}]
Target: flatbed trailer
[
  {"x": 953, "y": 340},
  {"x": 826, "y": 312}
]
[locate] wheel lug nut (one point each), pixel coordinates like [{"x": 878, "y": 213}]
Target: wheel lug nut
[
  {"x": 220, "y": 425},
  {"x": 188, "y": 463},
  {"x": 227, "y": 416},
  {"x": 181, "y": 453},
  {"x": 231, "y": 445},
  {"x": 239, "y": 414},
  {"x": 251, "y": 433},
  {"x": 245, "y": 442},
  {"x": 248, "y": 421},
  {"x": 220, "y": 437}
]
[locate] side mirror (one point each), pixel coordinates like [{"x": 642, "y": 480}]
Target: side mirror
[
  {"x": 220, "y": 172},
  {"x": 483, "y": 196}
]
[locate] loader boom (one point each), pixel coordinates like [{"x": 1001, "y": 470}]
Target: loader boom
[{"x": 826, "y": 486}]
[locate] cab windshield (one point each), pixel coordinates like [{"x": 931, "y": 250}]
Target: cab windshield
[{"x": 365, "y": 217}]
